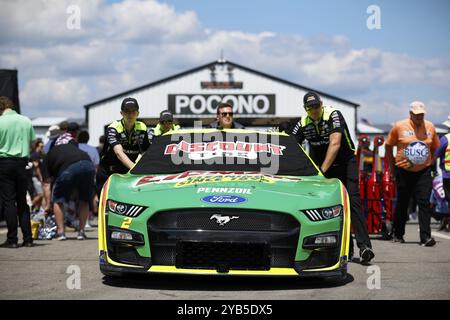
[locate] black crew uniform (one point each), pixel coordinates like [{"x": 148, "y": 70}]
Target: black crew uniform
[
  {"x": 344, "y": 166},
  {"x": 133, "y": 143}
]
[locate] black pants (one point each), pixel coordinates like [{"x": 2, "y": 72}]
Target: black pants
[
  {"x": 418, "y": 184},
  {"x": 103, "y": 174},
  {"x": 100, "y": 178},
  {"x": 348, "y": 174},
  {"x": 13, "y": 191}
]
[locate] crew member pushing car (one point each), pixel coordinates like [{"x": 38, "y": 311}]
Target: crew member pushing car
[
  {"x": 125, "y": 140},
  {"x": 333, "y": 151}
]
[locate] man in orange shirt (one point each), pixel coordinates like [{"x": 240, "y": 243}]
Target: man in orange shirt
[{"x": 416, "y": 141}]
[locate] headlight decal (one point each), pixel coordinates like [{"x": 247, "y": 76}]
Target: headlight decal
[
  {"x": 323, "y": 214},
  {"x": 124, "y": 209},
  {"x": 313, "y": 215}
]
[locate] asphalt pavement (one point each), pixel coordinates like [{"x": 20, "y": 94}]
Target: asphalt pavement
[{"x": 69, "y": 270}]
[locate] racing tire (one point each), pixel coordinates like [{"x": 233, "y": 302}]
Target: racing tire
[{"x": 339, "y": 279}]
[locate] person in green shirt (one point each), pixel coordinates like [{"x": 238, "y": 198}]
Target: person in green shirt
[{"x": 16, "y": 135}]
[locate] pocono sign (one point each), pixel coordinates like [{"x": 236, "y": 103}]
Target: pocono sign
[{"x": 206, "y": 104}]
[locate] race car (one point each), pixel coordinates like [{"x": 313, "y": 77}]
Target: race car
[{"x": 224, "y": 202}]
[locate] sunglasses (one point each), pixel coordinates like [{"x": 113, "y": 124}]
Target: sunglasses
[
  {"x": 166, "y": 122},
  {"x": 224, "y": 114}
]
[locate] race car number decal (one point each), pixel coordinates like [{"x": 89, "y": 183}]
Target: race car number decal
[{"x": 126, "y": 223}]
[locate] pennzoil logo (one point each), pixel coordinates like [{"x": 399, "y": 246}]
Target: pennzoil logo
[
  {"x": 208, "y": 150},
  {"x": 199, "y": 177}
]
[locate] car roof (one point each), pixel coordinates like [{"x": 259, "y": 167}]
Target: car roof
[
  {"x": 225, "y": 150},
  {"x": 209, "y": 130}
]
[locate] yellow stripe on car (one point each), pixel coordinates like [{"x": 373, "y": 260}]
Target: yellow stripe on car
[{"x": 273, "y": 271}]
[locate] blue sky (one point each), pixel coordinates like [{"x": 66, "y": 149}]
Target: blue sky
[
  {"x": 416, "y": 26},
  {"x": 326, "y": 45}
]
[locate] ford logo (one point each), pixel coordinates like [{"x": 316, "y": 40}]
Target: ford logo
[{"x": 224, "y": 199}]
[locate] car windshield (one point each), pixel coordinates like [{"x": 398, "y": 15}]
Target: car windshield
[{"x": 225, "y": 150}]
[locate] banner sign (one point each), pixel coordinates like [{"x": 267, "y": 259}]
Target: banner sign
[{"x": 206, "y": 104}]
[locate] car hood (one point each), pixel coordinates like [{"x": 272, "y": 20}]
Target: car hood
[{"x": 243, "y": 189}]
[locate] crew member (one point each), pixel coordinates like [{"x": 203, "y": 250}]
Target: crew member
[
  {"x": 126, "y": 139},
  {"x": 165, "y": 124},
  {"x": 333, "y": 151}
]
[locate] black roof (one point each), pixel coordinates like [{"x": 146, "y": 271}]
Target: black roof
[
  {"x": 149, "y": 85},
  {"x": 290, "y": 159}
]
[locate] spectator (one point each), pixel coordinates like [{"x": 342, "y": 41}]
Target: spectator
[
  {"x": 83, "y": 138},
  {"x": 225, "y": 118},
  {"x": 52, "y": 134},
  {"x": 165, "y": 124},
  {"x": 101, "y": 143},
  {"x": 37, "y": 158},
  {"x": 439, "y": 203},
  {"x": 70, "y": 136},
  {"x": 71, "y": 170},
  {"x": 443, "y": 153},
  {"x": 416, "y": 141},
  {"x": 16, "y": 134}
]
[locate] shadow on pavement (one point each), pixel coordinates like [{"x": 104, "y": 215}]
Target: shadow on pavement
[
  {"x": 221, "y": 283},
  {"x": 380, "y": 238},
  {"x": 39, "y": 244},
  {"x": 74, "y": 238}
]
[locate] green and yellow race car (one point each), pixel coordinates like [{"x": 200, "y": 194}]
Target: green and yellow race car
[{"x": 224, "y": 202}]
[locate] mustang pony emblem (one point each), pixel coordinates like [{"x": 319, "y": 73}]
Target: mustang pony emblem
[{"x": 222, "y": 220}]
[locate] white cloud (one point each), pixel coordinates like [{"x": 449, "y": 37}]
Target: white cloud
[
  {"x": 133, "y": 42},
  {"x": 379, "y": 110},
  {"x": 150, "y": 21},
  {"x": 368, "y": 67},
  {"x": 44, "y": 22},
  {"x": 67, "y": 94},
  {"x": 440, "y": 109}
]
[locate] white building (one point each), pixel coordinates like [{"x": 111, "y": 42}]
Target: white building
[
  {"x": 259, "y": 100},
  {"x": 42, "y": 124}
]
